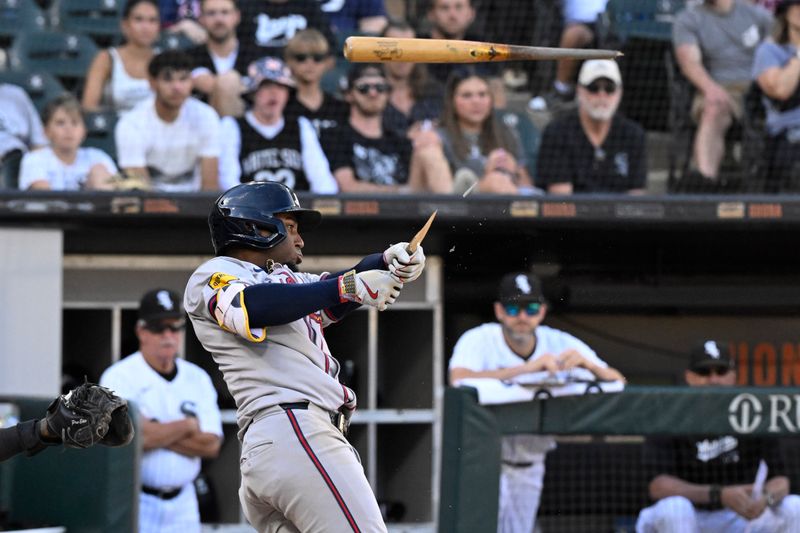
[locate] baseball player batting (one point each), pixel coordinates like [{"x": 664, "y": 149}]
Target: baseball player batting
[{"x": 263, "y": 323}]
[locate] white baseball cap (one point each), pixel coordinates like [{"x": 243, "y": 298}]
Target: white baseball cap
[{"x": 599, "y": 68}]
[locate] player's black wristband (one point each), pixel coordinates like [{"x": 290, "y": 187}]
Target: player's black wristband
[{"x": 715, "y": 497}]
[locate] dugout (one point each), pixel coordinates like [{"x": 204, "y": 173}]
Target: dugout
[{"x": 638, "y": 278}]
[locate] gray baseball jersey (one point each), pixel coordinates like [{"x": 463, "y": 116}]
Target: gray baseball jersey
[
  {"x": 265, "y": 366},
  {"x": 299, "y": 473}
]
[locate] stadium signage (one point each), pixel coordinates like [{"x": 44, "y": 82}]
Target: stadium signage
[{"x": 747, "y": 412}]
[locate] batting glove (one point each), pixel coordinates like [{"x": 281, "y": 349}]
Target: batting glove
[
  {"x": 376, "y": 288},
  {"x": 405, "y": 267}
]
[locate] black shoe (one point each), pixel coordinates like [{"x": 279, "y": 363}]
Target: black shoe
[{"x": 693, "y": 182}]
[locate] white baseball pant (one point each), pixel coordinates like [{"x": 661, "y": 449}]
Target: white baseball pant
[
  {"x": 178, "y": 515},
  {"x": 676, "y": 514},
  {"x": 520, "y": 493}
]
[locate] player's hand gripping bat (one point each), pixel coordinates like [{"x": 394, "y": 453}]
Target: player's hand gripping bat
[{"x": 379, "y": 49}]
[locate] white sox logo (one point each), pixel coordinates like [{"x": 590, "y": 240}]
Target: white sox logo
[{"x": 746, "y": 413}]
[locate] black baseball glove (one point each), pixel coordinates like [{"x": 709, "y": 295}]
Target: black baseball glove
[{"x": 90, "y": 414}]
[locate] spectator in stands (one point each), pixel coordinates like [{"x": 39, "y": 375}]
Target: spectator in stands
[
  {"x": 179, "y": 421},
  {"x": 777, "y": 71},
  {"x": 477, "y": 146},
  {"x": 20, "y": 126},
  {"x": 580, "y": 19},
  {"x": 351, "y": 16},
  {"x": 181, "y": 16},
  {"x": 519, "y": 344},
  {"x": 308, "y": 56},
  {"x": 453, "y": 19},
  {"x": 171, "y": 140},
  {"x": 268, "y": 25},
  {"x": 366, "y": 158},
  {"x": 117, "y": 78},
  {"x": 265, "y": 146},
  {"x": 415, "y": 97},
  {"x": 218, "y": 65},
  {"x": 715, "y": 43},
  {"x": 64, "y": 165},
  {"x": 593, "y": 148},
  {"x": 705, "y": 483}
]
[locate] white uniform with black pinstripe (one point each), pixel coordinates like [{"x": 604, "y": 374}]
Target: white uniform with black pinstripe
[
  {"x": 299, "y": 473},
  {"x": 158, "y": 399},
  {"x": 522, "y": 471}
]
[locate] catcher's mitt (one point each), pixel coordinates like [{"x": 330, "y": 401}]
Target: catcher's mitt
[{"x": 90, "y": 414}]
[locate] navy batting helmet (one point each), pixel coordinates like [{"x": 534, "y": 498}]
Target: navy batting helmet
[{"x": 242, "y": 210}]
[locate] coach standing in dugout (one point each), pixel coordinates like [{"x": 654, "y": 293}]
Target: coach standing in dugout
[
  {"x": 179, "y": 418},
  {"x": 705, "y": 483},
  {"x": 262, "y": 322},
  {"x": 519, "y": 344}
]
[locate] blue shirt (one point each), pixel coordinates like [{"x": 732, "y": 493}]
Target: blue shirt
[
  {"x": 345, "y": 14},
  {"x": 770, "y": 55}
]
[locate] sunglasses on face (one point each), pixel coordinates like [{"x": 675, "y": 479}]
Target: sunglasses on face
[
  {"x": 379, "y": 88},
  {"x": 718, "y": 370},
  {"x": 302, "y": 58},
  {"x": 161, "y": 327},
  {"x": 530, "y": 308},
  {"x": 608, "y": 87}
]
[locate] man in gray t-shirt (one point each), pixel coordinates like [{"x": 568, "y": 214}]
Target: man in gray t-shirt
[
  {"x": 20, "y": 126},
  {"x": 714, "y": 45}
]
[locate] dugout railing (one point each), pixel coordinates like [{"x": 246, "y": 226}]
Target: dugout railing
[{"x": 595, "y": 479}]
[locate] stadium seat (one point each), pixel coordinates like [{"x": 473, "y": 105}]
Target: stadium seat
[
  {"x": 17, "y": 16},
  {"x": 100, "y": 131},
  {"x": 172, "y": 41},
  {"x": 9, "y": 171},
  {"x": 642, "y": 19},
  {"x": 66, "y": 55},
  {"x": 99, "y": 19},
  {"x": 41, "y": 86}
]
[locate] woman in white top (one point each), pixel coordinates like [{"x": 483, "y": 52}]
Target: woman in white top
[
  {"x": 117, "y": 77},
  {"x": 64, "y": 165}
]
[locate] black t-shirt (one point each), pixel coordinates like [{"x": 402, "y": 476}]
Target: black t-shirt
[
  {"x": 266, "y": 26},
  {"x": 202, "y": 58},
  {"x": 383, "y": 161},
  {"x": 567, "y": 156},
  {"x": 331, "y": 114},
  {"x": 721, "y": 460},
  {"x": 278, "y": 159}
]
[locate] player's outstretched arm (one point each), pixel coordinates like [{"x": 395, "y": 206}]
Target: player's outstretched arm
[{"x": 29, "y": 436}]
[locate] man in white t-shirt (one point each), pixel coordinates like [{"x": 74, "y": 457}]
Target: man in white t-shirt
[
  {"x": 518, "y": 345},
  {"x": 179, "y": 420},
  {"x": 172, "y": 139}
]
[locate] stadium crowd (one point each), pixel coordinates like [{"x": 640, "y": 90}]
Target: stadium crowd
[{"x": 202, "y": 95}]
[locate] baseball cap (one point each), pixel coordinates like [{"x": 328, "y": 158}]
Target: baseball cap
[
  {"x": 599, "y": 68},
  {"x": 710, "y": 354},
  {"x": 267, "y": 69},
  {"x": 520, "y": 287},
  {"x": 359, "y": 70},
  {"x": 159, "y": 304},
  {"x": 783, "y": 5}
]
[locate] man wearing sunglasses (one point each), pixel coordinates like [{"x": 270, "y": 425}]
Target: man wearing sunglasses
[
  {"x": 594, "y": 148},
  {"x": 705, "y": 483},
  {"x": 366, "y": 158},
  {"x": 179, "y": 418},
  {"x": 519, "y": 345}
]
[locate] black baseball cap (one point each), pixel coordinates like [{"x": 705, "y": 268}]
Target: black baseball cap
[
  {"x": 711, "y": 354},
  {"x": 784, "y": 5},
  {"x": 359, "y": 70},
  {"x": 159, "y": 304},
  {"x": 520, "y": 287}
]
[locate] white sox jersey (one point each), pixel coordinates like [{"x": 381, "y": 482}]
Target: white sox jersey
[
  {"x": 263, "y": 367},
  {"x": 522, "y": 471},
  {"x": 166, "y": 401}
]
